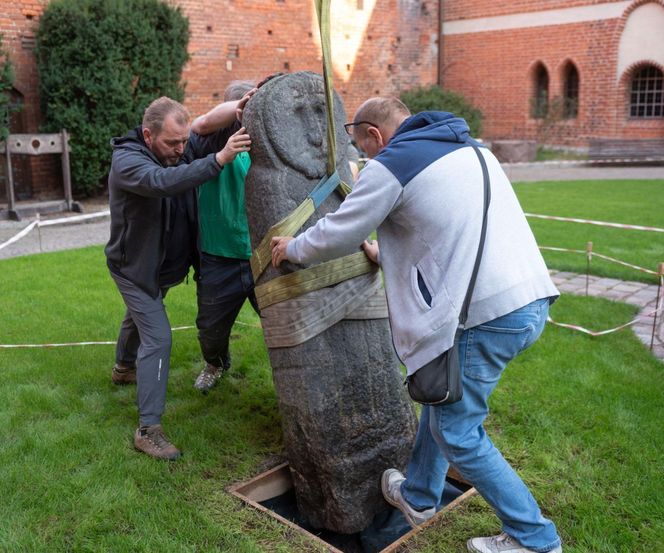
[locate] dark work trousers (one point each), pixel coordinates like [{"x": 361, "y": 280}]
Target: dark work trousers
[
  {"x": 154, "y": 349},
  {"x": 223, "y": 285}
]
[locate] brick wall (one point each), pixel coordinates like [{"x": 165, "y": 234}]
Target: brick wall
[
  {"x": 39, "y": 176},
  {"x": 466, "y": 9},
  {"x": 381, "y": 47},
  {"x": 494, "y": 70},
  {"x": 248, "y": 39}
]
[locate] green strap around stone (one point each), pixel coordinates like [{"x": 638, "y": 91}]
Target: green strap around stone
[
  {"x": 313, "y": 278},
  {"x": 332, "y": 272}
]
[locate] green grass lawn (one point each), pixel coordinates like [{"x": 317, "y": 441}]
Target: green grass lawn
[
  {"x": 580, "y": 418},
  {"x": 630, "y": 202}
]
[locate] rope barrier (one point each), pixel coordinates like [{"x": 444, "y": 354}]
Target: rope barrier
[
  {"x": 591, "y": 222},
  {"x": 105, "y": 343},
  {"x": 20, "y": 235},
  {"x": 39, "y": 223},
  {"x": 603, "y": 332},
  {"x": 601, "y": 256}
]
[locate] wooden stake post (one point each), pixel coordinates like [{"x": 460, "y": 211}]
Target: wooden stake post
[
  {"x": 589, "y": 253},
  {"x": 660, "y": 280}
]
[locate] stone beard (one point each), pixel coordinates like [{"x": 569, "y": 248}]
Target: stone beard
[{"x": 345, "y": 415}]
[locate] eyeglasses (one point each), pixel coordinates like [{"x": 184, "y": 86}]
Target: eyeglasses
[{"x": 349, "y": 126}]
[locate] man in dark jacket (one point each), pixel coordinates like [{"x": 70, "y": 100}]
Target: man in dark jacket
[{"x": 146, "y": 170}]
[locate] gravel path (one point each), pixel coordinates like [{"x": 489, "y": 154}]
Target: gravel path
[{"x": 53, "y": 238}]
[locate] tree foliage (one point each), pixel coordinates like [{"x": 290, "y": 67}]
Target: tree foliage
[
  {"x": 434, "y": 98},
  {"x": 6, "y": 83},
  {"x": 101, "y": 62}
]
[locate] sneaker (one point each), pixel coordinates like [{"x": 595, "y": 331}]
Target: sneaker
[
  {"x": 123, "y": 374},
  {"x": 208, "y": 377},
  {"x": 151, "y": 440},
  {"x": 502, "y": 543},
  {"x": 391, "y": 485}
]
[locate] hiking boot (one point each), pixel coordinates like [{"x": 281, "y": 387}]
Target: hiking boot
[
  {"x": 208, "y": 377},
  {"x": 502, "y": 543},
  {"x": 123, "y": 374},
  {"x": 151, "y": 440},
  {"x": 390, "y": 483}
]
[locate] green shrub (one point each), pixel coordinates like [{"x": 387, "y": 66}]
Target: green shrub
[
  {"x": 6, "y": 83},
  {"x": 434, "y": 98},
  {"x": 101, "y": 62}
]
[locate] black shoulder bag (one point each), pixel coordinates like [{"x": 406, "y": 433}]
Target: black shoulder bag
[{"x": 439, "y": 381}]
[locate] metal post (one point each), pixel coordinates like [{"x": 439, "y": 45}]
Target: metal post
[
  {"x": 589, "y": 255},
  {"x": 66, "y": 175},
  {"x": 660, "y": 270}
]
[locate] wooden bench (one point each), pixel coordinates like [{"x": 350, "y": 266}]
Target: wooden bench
[{"x": 635, "y": 150}]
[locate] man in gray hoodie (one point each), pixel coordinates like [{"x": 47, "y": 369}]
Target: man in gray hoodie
[
  {"x": 423, "y": 192},
  {"x": 147, "y": 169}
]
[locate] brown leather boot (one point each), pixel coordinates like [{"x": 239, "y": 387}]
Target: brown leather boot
[
  {"x": 151, "y": 440},
  {"x": 123, "y": 374}
]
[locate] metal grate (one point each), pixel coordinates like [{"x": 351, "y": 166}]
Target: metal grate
[{"x": 647, "y": 93}]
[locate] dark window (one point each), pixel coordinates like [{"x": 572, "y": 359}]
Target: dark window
[
  {"x": 571, "y": 92},
  {"x": 646, "y": 99},
  {"x": 540, "y": 101}
]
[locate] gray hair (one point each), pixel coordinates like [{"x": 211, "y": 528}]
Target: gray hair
[{"x": 237, "y": 89}]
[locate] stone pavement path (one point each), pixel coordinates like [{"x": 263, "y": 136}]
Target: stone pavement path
[{"x": 636, "y": 293}]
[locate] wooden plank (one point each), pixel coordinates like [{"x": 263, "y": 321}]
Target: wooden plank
[
  {"x": 277, "y": 481},
  {"x": 66, "y": 175},
  {"x": 10, "y": 180},
  {"x": 33, "y": 144},
  {"x": 395, "y": 546}
]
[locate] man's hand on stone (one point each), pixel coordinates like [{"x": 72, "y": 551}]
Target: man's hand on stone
[
  {"x": 279, "y": 245},
  {"x": 239, "y": 110},
  {"x": 238, "y": 142},
  {"x": 371, "y": 249}
]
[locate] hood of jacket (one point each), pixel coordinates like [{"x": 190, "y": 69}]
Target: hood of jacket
[
  {"x": 422, "y": 139},
  {"x": 133, "y": 141}
]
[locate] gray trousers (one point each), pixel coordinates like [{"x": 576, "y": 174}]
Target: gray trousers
[
  {"x": 153, "y": 356},
  {"x": 126, "y": 349}
]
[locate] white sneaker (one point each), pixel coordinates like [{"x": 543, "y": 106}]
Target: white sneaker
[
  {"x": 391, "y": 485},
  {"x": 502, "y": 543}
]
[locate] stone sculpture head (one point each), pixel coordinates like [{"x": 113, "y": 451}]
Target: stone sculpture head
[{"x": 291, "y": 110}]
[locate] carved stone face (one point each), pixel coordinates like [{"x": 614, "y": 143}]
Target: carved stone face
[{"x": 298, "y": 127}]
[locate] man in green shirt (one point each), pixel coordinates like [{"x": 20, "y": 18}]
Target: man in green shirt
[{"x": 225, "y": 279}]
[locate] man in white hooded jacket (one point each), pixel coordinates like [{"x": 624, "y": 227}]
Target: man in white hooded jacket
[{"x": 423, "y": 192}]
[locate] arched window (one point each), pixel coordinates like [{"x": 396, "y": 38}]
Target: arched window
[
  {"x": 540, "y": 100},
  {"x": 646, "y": 99},
  {"x": 570, "y": 92}
]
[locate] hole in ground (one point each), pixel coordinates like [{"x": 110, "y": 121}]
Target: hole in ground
[{"x": 272, "y": 492}]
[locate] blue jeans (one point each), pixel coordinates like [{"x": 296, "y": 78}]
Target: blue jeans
[{"x": 453, "y": 434}]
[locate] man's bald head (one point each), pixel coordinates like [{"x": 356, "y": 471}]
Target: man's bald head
[
  {"x": 387, "y": 113},
  {"x": 376, "y": 121}
]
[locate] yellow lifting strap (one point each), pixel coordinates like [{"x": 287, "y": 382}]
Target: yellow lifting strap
[
  {"x": 313, "y": 278},
  {"x": 323, "y": 11},
  {"x": 332, "y": 272}
]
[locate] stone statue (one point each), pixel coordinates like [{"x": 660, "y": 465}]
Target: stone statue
[{"x": 344, "y": 412}]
